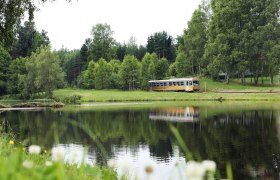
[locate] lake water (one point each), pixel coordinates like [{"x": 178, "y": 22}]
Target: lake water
[{"x": 246, "y": 135}]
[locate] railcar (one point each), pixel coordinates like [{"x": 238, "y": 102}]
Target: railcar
[{"x": 179, "y": 84}]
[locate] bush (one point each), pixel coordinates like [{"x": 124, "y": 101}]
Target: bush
[{"x": 72, "y": 99}]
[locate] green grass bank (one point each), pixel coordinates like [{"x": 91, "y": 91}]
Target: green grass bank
[
  {"x": 209, "y": 91},
  {"x": 121, "y": 96}
]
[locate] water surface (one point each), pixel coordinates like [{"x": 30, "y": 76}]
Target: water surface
[{"x": 243, "y": 134}]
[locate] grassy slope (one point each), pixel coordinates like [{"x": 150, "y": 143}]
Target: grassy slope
[
  {"x": 213, "y": 92},
  {"x": 116, "y": 95},
  {"x": 235, "y": 85}
]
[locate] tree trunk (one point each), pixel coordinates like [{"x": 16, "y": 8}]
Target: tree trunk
[
  {"x": 192, "y": 68},
  {"x": 271, "y": 79},
  {"x": 256, "y": 80},
  {"x": 243, "y": 78},
  {"x": 227, "y": 76},
  {"x": 279, "y": 76}
]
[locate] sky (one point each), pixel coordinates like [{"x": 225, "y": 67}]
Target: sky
[{"x": 69, "y": 24}]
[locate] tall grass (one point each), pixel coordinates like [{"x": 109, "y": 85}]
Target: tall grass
[{"x": 16, "y": 163}]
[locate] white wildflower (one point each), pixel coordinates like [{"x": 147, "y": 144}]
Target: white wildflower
[
  {"x": 149, "y": 169},
  {"x": 73, "y": 157},
  {"x": 34, "y": 149},
  {"x": 112, "y": 163},
  {"x": 27, "y": 164},
  {"x": 58, "y": 154},
  {"x": 209, "y": 165},
  {"x": 123, "y": 166},
  {"x": 49, "y": 163},
  {"x": 194, "y": 171}
]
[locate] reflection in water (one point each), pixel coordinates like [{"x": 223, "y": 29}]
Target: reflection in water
[
  {"x": 248, "y": 139},
  {"x": 176, "y": 114}
]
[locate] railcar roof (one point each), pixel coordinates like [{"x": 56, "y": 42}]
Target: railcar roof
[{"x": 177, "y": 79}]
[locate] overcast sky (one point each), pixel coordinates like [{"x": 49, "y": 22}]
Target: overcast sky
[{"x": 69, "y": 24}]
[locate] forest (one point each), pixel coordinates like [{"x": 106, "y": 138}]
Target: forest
[{"x": 233, "y": 39}]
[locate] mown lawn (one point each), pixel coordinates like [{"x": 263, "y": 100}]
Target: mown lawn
[
  {"x": 118, "y": 95},
  {"x": 234, "y": 85}
]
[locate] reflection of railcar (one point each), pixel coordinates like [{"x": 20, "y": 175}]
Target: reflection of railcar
[
  {"x": 180, "y": 84},
  {"x": 180, "y": 114}
]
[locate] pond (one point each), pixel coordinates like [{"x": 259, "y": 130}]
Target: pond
[{"x": 246, "y": 135}]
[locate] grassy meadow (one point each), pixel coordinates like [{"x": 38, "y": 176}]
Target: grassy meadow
[{"x": 209, "y": 91}]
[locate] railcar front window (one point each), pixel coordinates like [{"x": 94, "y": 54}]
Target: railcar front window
[{"x": 195, "y": 82}]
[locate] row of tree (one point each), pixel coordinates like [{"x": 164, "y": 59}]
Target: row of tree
[
  {"x": 103, "y": 45},
  {"x": 129, "y": 74},
  {"x": 234, "y": 39},
  {"x": 223, "y": 38}
]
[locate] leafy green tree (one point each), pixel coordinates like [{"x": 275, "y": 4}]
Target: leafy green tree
[
  {"x": 131, "y": 46},
  {"x": 161, "y": 68},
  {"x": 172, "y": 70},
  {"x": 5, "y": 60},
  {"x": 162, "y": 44},
  {"x": 274, "y": 57},
  {"x": 183, "y": 66},
  {"x": 152, "y": 70},
  {"x": 70, "y": 62},
  {"x": 195, "y": 39},
  {"x": 145, "y": 70},
  {"x": 17, "y": 69},
  {"x": 86, "y": 78},
  {"x": 11, "y": 13},
  {"x": 102, "y": 44},
  {"x": 130, "y": 73},
  {"x": 114, "y": 78},
  {"x": 102, "y": 73},
  {"x": 43, "y": 72},
  {"x": 148, "y": 73},
  {"x": 241, "y": 35}
]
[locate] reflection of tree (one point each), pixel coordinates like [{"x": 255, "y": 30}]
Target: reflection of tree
[{"x": 247, "y": 139}]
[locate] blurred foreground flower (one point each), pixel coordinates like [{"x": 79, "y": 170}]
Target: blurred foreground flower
[
  {"x": 197, "y": 171},
  {"x": 112, "y": 163},
  {"x": 73, "y": 157},
  {"x": 122, "y": 166},
  {"x": 194, "y": 170},
  {"x": 209, "y": 165},
  {"x": 34, "y": 149},
  {"x": 149, "y": 169},
  {"x": 11, "y": 142},
  {"x": 58, "y": 154},
  {"x": 27, "y": 164},
  {"x": 49, "y": 163}
]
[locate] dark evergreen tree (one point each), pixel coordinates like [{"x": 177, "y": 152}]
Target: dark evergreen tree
[
  {"x": 28, "y": 40},
  {"x": 162, "y": 44}
]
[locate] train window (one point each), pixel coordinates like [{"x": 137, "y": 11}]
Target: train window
[
  {"x": 195, "y": 82},
  {"x": 178, "y": 83},
  {"x": 182, "y": 83},
  {"x": 170, "y": 83},
  {"x": 165, "y": 84},
  {"x": 190, "y": 83},
  {"x": 187, "y": 83},
  {"x": 174, "y": 83}
]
